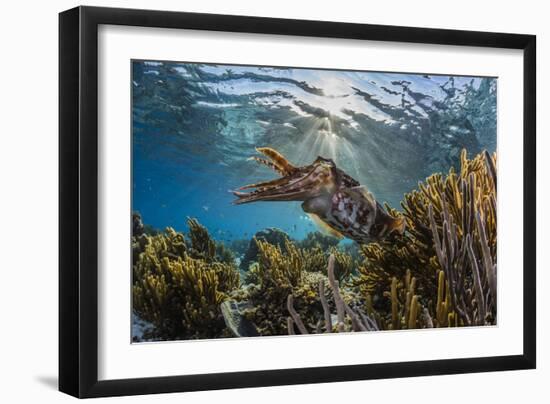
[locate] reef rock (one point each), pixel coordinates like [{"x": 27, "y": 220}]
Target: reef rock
[
  {"x": 137, "y": 225},
  {"x": 239, "y": 326},
  {"x": 271, "y": 235}
]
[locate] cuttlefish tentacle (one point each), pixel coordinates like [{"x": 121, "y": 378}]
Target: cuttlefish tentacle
[
  {"x": 278, "y": 160},
  {"x": 257, "y": 189},
  {"x": 264, "y": 185},
  {"x": 268, "y": 164},
  {"x": 328, "y": 194}
]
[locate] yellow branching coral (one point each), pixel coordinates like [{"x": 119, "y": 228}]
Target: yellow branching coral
[
  {"x": 451, "y": 235},
  {"x": 312, "y": 259},
  {"x": 278, "y": 273},
  {"x": 202, "y": 245},
  {"x": 283, "y": 270},
  {"x": 343, "y": 264},
  {"x": 316, "y": 260},
  {"x": 178, "y": 293},
  {"x": 407, "y": 309}
]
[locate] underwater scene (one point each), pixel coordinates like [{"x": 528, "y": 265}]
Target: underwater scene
[{"x": 270, "y": 201}]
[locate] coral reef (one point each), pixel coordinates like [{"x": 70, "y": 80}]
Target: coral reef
[
  {"x": 343, "y": 264},
  {"x": 239, "y": 246},
  {"x": 347, "y": 319},
  {"x": 137, "y": 225},
  {"x": 271, "y": 235},
  {"x": 202, "y": 246},
  {"x": 178, "y": 285},
  {"x": 405, "y": 311},
  {"x": 352, "y": 249},
  {"x": 317, "y": 239},
  {"x": 292, "y": 271},
  {"x": 451, "y": 235},
  {"x": 278, "y": 273},
  {"x": 138, "y": 228},
  {"x": 442, "y": 272},
  {"x": 313, "y": 259}
]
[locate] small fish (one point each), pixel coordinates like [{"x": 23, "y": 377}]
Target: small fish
[
  {"x": 332, "y": 198},
  {"x": 206, "y": 208}
]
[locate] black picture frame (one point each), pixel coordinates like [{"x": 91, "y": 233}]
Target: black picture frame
[{"x": 78, "y": 201}]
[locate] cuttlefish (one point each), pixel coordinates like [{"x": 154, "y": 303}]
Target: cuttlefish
[{"x": 332, "y": 198}]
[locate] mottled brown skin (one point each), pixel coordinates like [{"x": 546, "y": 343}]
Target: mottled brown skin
[{"x": 328, "y": 194}]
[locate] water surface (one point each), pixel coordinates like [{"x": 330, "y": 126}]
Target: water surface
[{"x": 195, "y": 125}]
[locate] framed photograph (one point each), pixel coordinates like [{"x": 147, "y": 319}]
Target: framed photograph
[{"x": 251, "y": 201}]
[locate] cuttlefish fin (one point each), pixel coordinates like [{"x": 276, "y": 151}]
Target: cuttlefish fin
[
  {"x": 324, "y": 227},
  {"x": 279, "y": 161}
]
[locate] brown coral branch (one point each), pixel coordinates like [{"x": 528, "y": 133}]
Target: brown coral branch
[
  {"x": 478, "y": 288},
  {"x": 359, "y": 321},
  {"x": 326, "y": 309},
  {"x": 295, "y": 316},
  {"x": 290, "y": 326},
  {"x": 338, "y": 301},
  {"x": 356, "y": 322},
  {"x": 491, "y": 168},
  {"x": 486, "y": 255},
  {"x": 369, "y": 323},
  {"x": 435, "y": 232}
]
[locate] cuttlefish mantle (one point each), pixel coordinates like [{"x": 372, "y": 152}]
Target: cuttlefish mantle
[{"x": 330, "y": 196}]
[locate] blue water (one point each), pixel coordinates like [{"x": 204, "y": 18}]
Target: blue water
[{"x": 195, "y": 125}]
